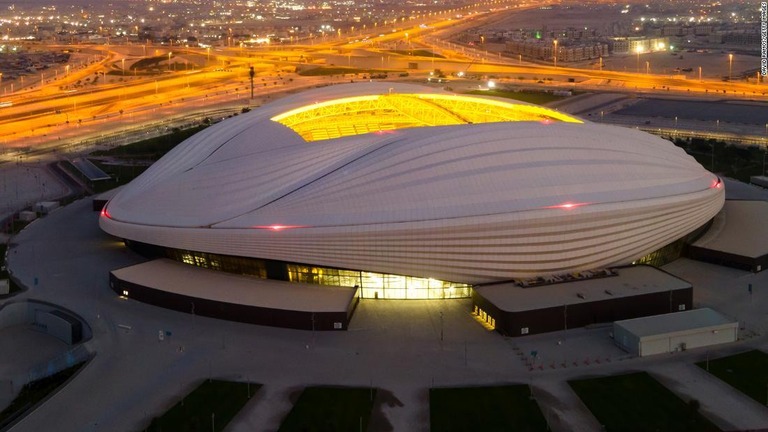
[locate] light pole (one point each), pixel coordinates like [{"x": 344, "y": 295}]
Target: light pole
[
  {"x": 647, "y": 67},
  {"x": 441, "y": 326},
  {"x": 765, "y": 152},
  {"x": 169, "y": 60},
  {"x": 638, "y": 50},
  {"x": 251, "y": 73},
  {"x": 699, "y": 73},
  {"x": 554, "y": 53}
]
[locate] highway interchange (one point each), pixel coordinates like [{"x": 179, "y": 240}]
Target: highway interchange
[
  {"x": 107, "y": 93},
  {"x": 134, "y": 375}
]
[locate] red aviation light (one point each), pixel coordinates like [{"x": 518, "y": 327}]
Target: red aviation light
[
  {"x": 717, "y": 184},
  {"x": 567, "y": 206},
  {"x": 278, "y": 227},
  {"x": 105, "y": 213}
]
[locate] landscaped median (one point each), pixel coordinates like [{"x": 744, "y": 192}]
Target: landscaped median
[
  {"x": 498, "y": 408},
  {"x": 209, "y": 407},
  {"x": 637, "y": 402},
  {"x": 746, "y": 372}
]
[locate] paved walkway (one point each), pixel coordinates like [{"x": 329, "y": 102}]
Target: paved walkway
[{"x": 395, "y": 345}]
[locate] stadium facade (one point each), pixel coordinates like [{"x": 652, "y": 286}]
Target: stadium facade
[{"x": 405, "y": 191}]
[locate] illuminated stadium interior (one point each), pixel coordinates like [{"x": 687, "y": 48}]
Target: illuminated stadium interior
[
  {"x": 374, "y": 113},
  {"x": 371, "y": 284}
]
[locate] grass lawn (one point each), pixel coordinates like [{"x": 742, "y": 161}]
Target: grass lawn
[
  {"x": 746, "y": 372},
  {"x": 121, "y": 174},
  {"x": 321, "y": 71},
  {"x": 530, "y": 97},
  {"x": 637, "y": 402},
  {"x": 500, "y": 408},
  {"x": 330, "y": 409},
  {"x": 33, "y": 393},
  {"x": 223, "y": 399},
  {"x": 418, "y": 53},
  {"x": 151, "y": 148},
  {"x": 732, "y": 160}
]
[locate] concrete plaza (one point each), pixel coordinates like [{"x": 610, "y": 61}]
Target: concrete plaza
[{"x": 405, "y": 347}]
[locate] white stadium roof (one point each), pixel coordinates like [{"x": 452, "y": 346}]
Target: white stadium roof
[{"x": 415, "y": 185}]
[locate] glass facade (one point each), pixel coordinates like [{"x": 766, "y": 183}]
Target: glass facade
[
  {"x": 488, "y": 321},
  {"x": 372, "y": 285},
  {"x": 379, "y": 285},
  {"x": 225, "y": 263},
  {"x": 674, "y": 250}
]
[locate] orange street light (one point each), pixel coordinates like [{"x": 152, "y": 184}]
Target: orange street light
[
  {"x": 730, "y": 66},
  {"x": 554, "y": 53}
]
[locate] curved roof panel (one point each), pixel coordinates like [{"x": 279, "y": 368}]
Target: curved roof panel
[{"x": 529, "y": 195}]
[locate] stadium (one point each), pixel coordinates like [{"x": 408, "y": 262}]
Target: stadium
[{"x": 407, "y": 192}]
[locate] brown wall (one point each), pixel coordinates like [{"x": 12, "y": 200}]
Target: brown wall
[
  {"x": 235, "y": 312},
  {"x": 727, "y": 259},
  {"x": 585, "y": 313}
]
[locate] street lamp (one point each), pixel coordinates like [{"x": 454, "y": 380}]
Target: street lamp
[
  {"x": 554, "y": 53},
  {"x": 251, "y": 73},
  {"x": 169, "y": 59},
  {"x": 699, "y": 73},
  {"x": 765, "y": 152},
  {"x": 638, "y": 50},
  {"x": 647, "y": 67}
]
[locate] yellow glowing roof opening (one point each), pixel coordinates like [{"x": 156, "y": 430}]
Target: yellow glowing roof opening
[{"x": 365, "y": 114}]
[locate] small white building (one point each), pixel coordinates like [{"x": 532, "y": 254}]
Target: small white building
[
  {"x": 27, "y": 216},
  {"x": 674, "y": 332}
]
